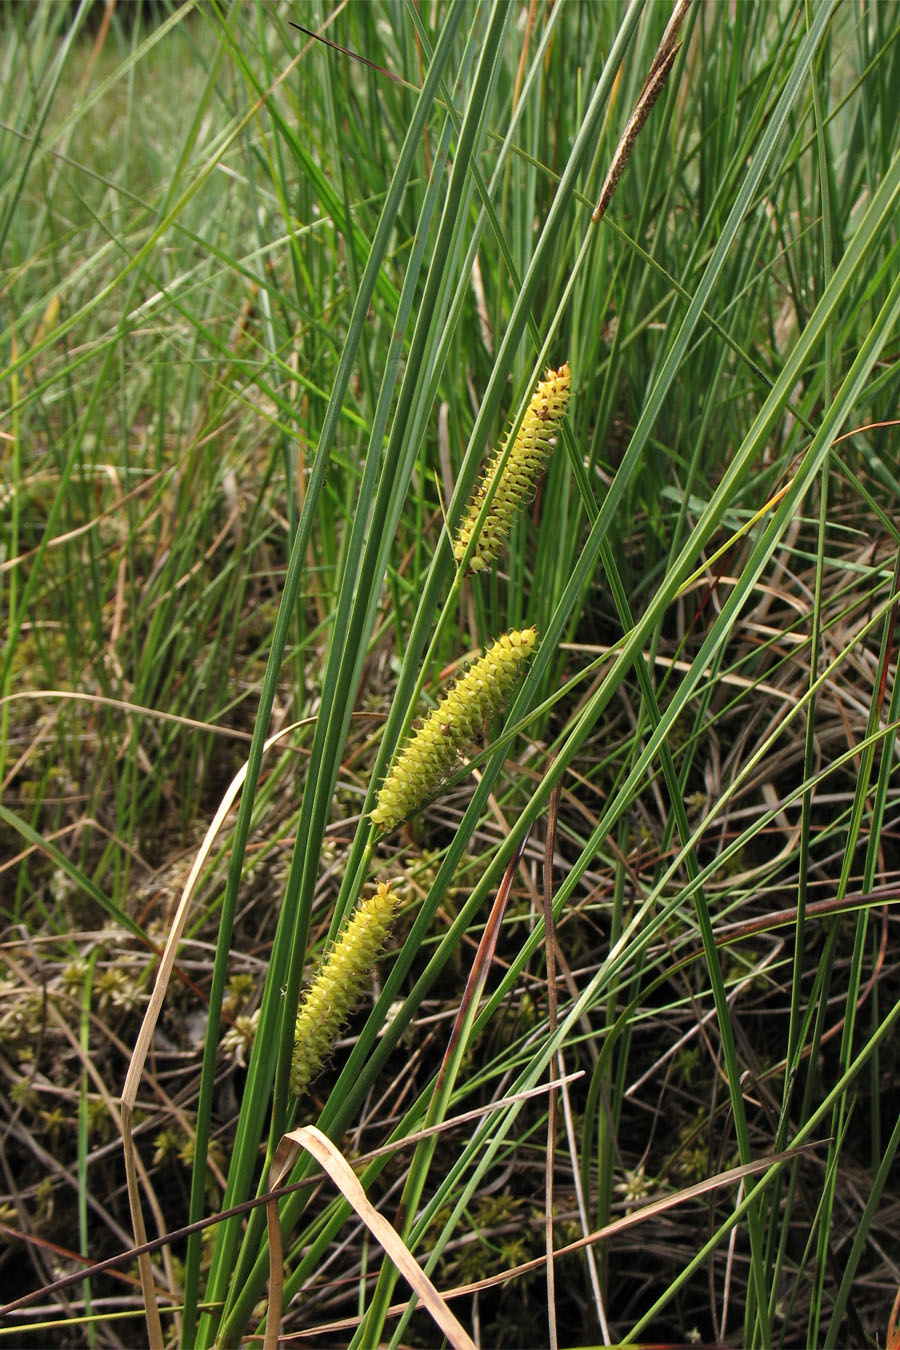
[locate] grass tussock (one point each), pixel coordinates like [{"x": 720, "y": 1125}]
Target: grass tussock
[{"x": 270, "y": 303}]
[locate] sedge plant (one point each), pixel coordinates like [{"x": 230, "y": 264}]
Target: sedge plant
[{"x": 266, "y": 310}]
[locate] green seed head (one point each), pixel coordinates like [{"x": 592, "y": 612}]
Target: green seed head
[
  {"x": 517, "y": 478},
  {"x": 338, "y": 983},
  {"x": 432, "y": 752}
]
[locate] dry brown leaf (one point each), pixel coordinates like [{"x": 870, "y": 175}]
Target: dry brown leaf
[{"x": 332, "y": 1161}]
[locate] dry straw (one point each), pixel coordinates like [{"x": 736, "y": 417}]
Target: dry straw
[
  {"x": 433, "y": 751},
  {"x": 515, "y": 480}
]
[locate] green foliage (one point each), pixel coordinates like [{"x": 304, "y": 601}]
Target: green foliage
[{"x": 266, "y": 311}]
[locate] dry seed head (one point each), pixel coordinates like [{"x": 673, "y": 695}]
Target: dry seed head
[
  {"x": 337, "y": 984},
  {"x": 432, "y": 752},
  {"x": 533, "y": 445}
]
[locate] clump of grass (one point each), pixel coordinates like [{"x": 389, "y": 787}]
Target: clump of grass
[{"x": 245, "y": 331}]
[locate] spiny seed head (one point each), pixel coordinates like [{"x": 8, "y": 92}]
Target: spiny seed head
[
  {"x": 533, "y": 446},
  {"x": 432, "y": 752},
  {"x": 337, "y": 984}
]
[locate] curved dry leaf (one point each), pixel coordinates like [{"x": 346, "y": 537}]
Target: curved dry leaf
[{"x": 332, "y": 1161}]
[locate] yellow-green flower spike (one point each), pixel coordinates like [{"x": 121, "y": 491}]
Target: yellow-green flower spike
[
  {"x": 337, "y": 984},
  {"x": 432, "y": 752},
  {"x": 533, "y": 446}
]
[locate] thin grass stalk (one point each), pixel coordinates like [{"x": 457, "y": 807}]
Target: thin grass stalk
[
  {"x": 863, "y": 780},
  {"x": 870, "y": 865},
  {"x": 552, "y": 1103},
  {"x": 779, "y": 1231},
  {"x": 880, "y": 807},
  {"x": 813, "y": 1239},
  {"x": 603, "y": 1094},
  {"x": 82, "y": 1161},
  {"x": 834, "y": 1331},
  {"x": 12, "y": 586}
]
